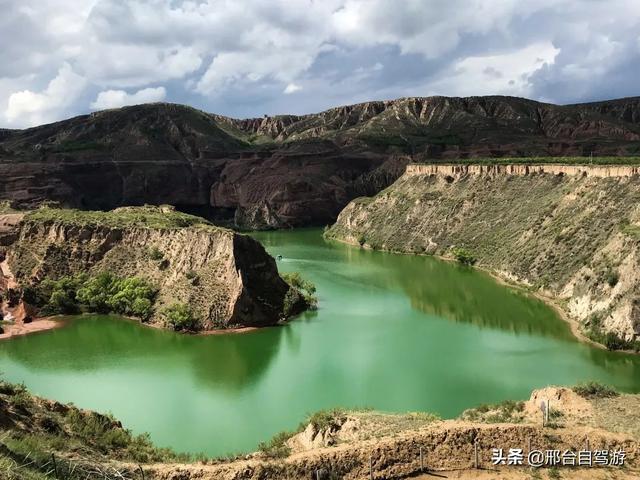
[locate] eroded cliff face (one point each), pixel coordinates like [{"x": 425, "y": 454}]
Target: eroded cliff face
[
  {"x": 570, "y": 232},
  {"x": 227, "y": 279}
]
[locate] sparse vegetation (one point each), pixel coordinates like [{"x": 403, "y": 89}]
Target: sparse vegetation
[
  {"x": 323, "y": 419},
  {"x": 506, "y": 411},
  {"x": 147, "y": 216},
  {"x": 595, "y": 390},
  {"x": 277, "y": 446}
]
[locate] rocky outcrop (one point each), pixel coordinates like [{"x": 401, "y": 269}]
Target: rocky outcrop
[
  {"x": 228, "y": 279},
  {"x": 287, "y": 171},
  {"x": 570, "y": 232}
]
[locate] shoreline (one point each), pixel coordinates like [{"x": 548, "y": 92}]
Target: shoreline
[
  {"x": 40, "y": 324},
  {"x": 45, "y": 324},
  {"x": 551, "y": 302}
]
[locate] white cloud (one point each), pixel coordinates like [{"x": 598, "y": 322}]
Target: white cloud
[
  {"x": 292, "y": 88},
  {"x": 506, "y": 74},
  {"x": 25, "y": 108},
  {"x": 243, "y": 55},
  {"x": 120, "y": 98}
]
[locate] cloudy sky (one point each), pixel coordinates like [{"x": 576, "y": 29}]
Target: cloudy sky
[{"x": 244, "y": 58}]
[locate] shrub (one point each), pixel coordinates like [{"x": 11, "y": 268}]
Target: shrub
[
  {"x": 612, "y": 278},
  {"x": 326, "y": 418},
  {"x": 155, "y": 254},
  {"x": 181, "y": 318},
  {"x": 595, "y": 390},
  {"x": 614, "y": 342},
  {"x": 463, "y": 256},
  {"x": 300, "y": 290},
  {"x": 292, "y": 301},
  {"x": 277, "y": 447}
]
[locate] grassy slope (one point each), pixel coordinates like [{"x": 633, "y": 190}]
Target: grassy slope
[{"x": 147, "y": 216}]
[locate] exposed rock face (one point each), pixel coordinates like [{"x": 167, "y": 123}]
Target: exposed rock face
[
  {"x": 226, "y": 278},
  {"x": 570, "y": 232},
  {"x": 287, "y": 170}
]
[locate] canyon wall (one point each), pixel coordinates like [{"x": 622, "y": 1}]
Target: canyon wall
[
  {"x": 571, "y": 232},
  {"x": 227, "y": 279}
]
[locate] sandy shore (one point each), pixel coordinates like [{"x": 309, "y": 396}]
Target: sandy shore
[{"x": 38, "y": 325}]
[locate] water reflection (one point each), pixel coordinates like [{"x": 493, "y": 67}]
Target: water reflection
[
  {"x": 230, "y": 362},
  {"x": 459, "y": 293}
]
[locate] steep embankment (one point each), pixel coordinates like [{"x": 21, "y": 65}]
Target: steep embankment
[
  {"x": 567, "y": 231},
  {"x": 288, "y": 170},
  {"x": 225, "y": 279}
]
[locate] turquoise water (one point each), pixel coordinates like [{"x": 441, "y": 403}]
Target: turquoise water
[{"x": 393, "y": 332}]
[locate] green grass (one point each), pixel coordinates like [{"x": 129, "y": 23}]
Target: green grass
[{"x": 147, "y": 216}]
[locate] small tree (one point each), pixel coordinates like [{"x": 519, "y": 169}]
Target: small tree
[{"x": 464, "y": 256}]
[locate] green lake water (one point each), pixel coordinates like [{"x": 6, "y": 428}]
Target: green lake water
[{"x": 395, "y": 333}]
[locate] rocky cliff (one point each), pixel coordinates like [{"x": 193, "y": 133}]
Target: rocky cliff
[
  {"x": 227, "y": 279},
  {"x": 571, "y": 232},
  {"x": 287, "y": 170}
]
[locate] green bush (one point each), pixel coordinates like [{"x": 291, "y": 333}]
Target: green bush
[
  {"x": 595, "y": 390},
  {"x": 612, "y": 278},
  {"x": 463, "y": 256},
  {"x": 300, "y": 290},
  {"x": 181, "y": 318}
]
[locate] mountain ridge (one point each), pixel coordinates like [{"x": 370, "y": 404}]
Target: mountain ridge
[{"x": 288, "y": 170}]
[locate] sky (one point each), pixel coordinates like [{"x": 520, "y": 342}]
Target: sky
[{"x": 249, "y": 58}]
